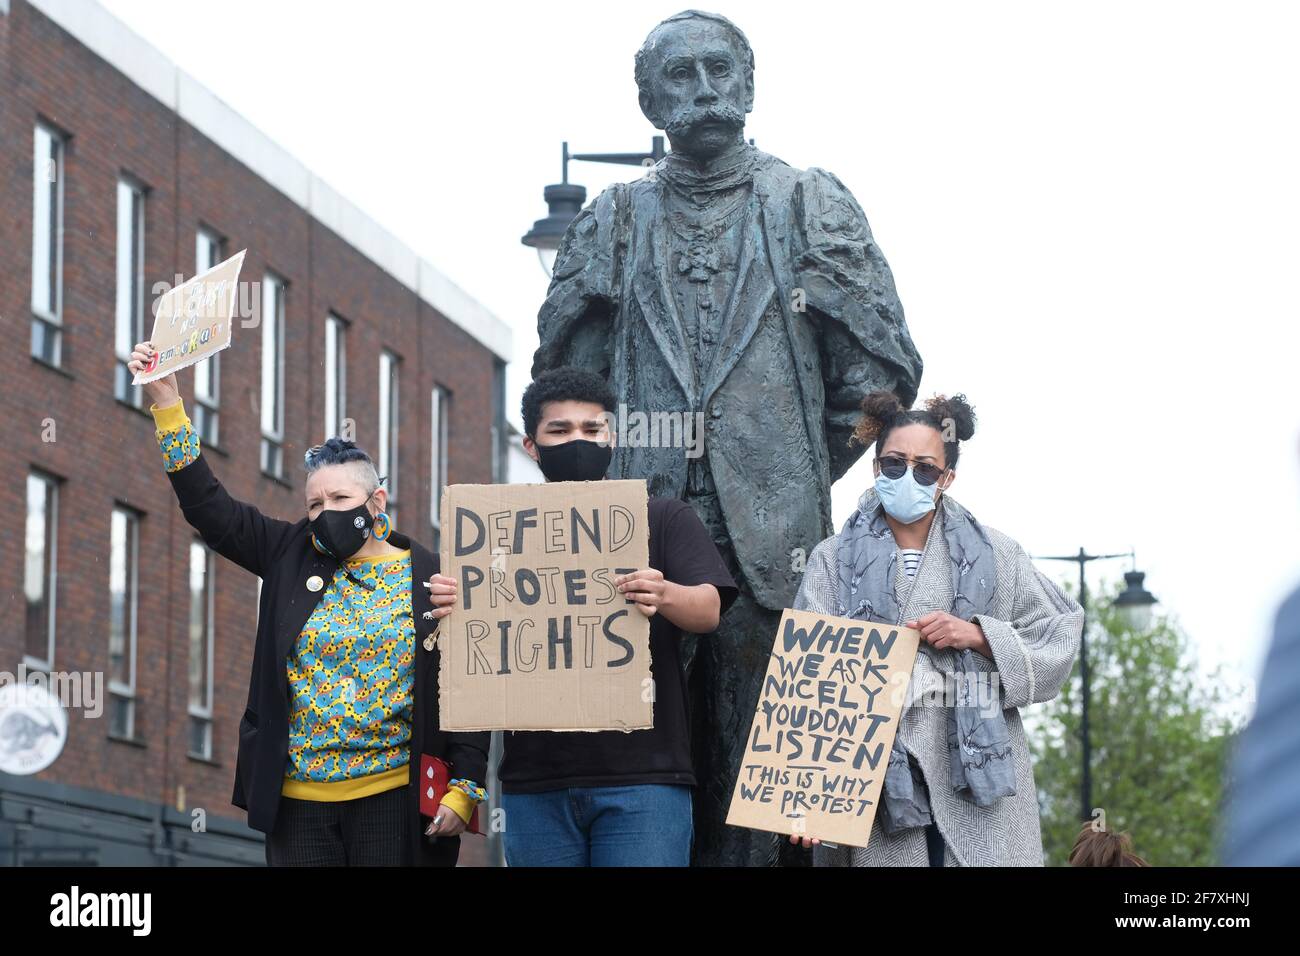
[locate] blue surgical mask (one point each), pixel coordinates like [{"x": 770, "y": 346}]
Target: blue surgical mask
[{"x": 904, "y": 498}]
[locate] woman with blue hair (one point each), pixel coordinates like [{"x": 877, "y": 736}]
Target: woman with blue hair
[{"x": 343, "y": 696}]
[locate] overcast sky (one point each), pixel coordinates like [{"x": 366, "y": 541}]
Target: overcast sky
[{"x": 1090, "y": 211}]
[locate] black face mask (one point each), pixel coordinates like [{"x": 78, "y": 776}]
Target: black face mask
[
  {"x": 343, "y": 533},
  {"x": 577, "y": 460}
]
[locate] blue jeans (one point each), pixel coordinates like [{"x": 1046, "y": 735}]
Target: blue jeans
[{"x": 641, "y": 825}]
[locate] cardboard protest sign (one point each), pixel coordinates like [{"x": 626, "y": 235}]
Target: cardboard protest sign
[
  {"x": 540, "y": 638},
  {"x": 826, "y": 719},
  {"x": 193, "y": 320}
]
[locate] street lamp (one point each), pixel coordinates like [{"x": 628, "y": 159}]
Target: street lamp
[
  {"x": 1135, "y": 604},
  {"x": 564, "y": 199},
  {"x": 1135, "y": 601}
]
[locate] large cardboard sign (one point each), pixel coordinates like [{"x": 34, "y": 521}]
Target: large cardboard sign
[
  {"x": 193, "y": 320},
  {"x": 540, "y": 638},
  {"x": 827, "y": 714}
]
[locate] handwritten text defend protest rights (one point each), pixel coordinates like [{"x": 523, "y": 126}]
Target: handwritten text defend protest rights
[
  {"x": 540, "y": 638},
  {"x": 825, "y": 723}
]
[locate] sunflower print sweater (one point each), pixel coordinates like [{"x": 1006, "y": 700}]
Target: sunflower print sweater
[{"x": 350, "y": 671}]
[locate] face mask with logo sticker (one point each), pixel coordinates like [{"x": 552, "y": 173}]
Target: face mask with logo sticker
[{"x": 343, "y": 533}]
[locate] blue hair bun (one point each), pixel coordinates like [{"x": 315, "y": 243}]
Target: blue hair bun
[{"x": 334, "y": 451}]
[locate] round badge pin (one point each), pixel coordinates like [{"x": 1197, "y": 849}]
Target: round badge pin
[{"x": 314, "y": 583}]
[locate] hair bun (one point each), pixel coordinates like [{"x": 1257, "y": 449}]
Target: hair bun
[
  {"x": 955, "y": 410},
  {"x": 879, "y": 408}
]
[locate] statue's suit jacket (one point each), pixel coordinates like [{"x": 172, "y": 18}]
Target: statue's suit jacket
[{"x": 812, "y": 323}]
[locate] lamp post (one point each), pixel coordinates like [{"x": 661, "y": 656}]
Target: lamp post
[
  {"x": 564, "y": 199},
  {"x": 1135, "y": 603}
]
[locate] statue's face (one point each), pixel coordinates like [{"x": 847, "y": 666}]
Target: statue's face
[{"x": 699, "y": 92}]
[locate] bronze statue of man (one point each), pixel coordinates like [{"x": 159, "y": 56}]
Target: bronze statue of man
[{"x": 728, "y": 286}]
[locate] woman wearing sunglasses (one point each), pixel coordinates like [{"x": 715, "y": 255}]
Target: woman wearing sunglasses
[{"x": 996, "y": 635}]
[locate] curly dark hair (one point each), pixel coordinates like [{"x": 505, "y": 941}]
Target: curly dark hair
[
  {"x": 882, "y": 411},
  {"x": 564, "y": 384}
]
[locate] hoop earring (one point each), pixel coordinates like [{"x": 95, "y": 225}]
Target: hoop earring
[{"x": 382, "y": 527}]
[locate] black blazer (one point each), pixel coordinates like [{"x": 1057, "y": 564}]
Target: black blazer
[{"x": 282, "y": 555}]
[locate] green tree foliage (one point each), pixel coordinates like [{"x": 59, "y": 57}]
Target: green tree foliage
[{"x": 1160, "y": 745}]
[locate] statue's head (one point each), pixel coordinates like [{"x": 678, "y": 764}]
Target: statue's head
[{"x": 695, "y": 74}]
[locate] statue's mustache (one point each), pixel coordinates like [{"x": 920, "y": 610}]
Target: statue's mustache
[{"x": 688, "y": 117}]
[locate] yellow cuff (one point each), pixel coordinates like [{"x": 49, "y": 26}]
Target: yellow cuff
[
  {"x": 460, "y": 802},
  {"x": 170, "y": 418}
]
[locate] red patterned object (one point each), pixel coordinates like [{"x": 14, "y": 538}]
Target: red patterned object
[{"x": 434, "y": 777}]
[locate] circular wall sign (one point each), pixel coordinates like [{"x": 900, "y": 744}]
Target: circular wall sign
[{"x": 33, "y": 728}]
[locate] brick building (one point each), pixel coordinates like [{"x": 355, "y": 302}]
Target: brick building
[{"x": 118, "y": 172}]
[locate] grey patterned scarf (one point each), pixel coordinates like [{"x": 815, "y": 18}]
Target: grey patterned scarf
[{"x": 979, "y": 748}]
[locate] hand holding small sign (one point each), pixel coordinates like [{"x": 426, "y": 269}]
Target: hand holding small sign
[
  {"x": 941, "y": 630},
  {"x": 442, "y": 594},
  {"x": 161, "y": 391},
  {"x": 646, "y": 587}
]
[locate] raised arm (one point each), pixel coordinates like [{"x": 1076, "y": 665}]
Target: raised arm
[{"x": 234, "y": 529}]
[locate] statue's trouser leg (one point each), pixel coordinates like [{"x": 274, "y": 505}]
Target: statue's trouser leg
[
  {"x": 726, "y": 670},
  {"x": 733, "y": 660}
]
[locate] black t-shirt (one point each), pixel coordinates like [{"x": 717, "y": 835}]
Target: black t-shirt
[{"x": 537, "y": 760}]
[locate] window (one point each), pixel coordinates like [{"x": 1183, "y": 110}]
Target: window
[
  {"x": 130, "y": 285},
  {"x": 500, "y": 430},
  {"x": 123, "y": 591},
  {"x": 207, "y": 374},
  {"x": 47, "y": 246},
  {"x": 438, "y": 460},
  {"x": 40, "y": 570},
  {"x": 335, "y": 374},
  {"x": 387, "y": 461},
  {"x": 202, "y": 564},
  {"x": 273, "y": 376}
]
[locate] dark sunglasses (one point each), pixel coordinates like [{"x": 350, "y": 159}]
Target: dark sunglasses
[{"x": 891, "y": 466}]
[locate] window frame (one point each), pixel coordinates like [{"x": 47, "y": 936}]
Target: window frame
[
  {"x": 50, "y": 569},
  {"x": 336, "y": 373},
  {"x": 201, "y": 714},
  {"x": 123, "y": 390},
  {"x": 439, "y": 440},
  {"x": 117, "y": 689},
  {"x": 389, "y": 425},
  {"x": 272, "y": 444},
  {"x": 47, "y": 323},
  {"x": 207, "y": 405},
  {"x": 500, "y": 430}
]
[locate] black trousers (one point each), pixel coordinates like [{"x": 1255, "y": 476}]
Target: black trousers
[{"x": 368, "y": 831}]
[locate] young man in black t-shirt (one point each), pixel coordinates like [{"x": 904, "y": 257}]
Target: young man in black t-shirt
[{"x": 611, "y": 798}]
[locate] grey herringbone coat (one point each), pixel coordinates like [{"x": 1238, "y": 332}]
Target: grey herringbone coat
[{"x": 1033, "y": 629}]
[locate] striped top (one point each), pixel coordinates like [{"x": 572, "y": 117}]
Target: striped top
[{"x": 911, "y": 560}]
